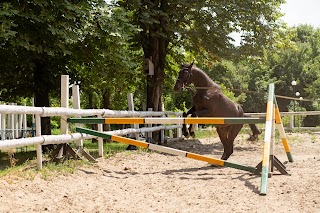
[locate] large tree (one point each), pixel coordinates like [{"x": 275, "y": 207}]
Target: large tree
[
  {"x": 37, "y": 41},
  {"x": 42, "y": 39},
  {"x": 198, "y": 25}
]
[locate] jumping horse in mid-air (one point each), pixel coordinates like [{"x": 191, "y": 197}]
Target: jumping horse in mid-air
[{"x": 209, "y": 101}]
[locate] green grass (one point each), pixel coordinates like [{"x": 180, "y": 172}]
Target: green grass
[
  {"x": 26, "y": 166},
  {"x": 211, "y": 131},
  {"x": 206, "y": 133}
]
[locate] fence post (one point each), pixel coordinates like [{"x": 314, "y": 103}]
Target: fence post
[
  {"x": 100, "y": 139},
  {"x": 20, "y": 132},
  {"x": 24, "y": 123},
  {"x": 291, "y": 122},
  {"x": 39, "y": 146},
  {"x": 11, "y": 121},
  {"x": 162, "y": 132},
  {"x": 33, "y": 126},
  {"x": 16, "y": 124},
  {"x": 64, "y": 103},
  {"x": 76, "y": 105},
  {"x": 179, "y": 131}
]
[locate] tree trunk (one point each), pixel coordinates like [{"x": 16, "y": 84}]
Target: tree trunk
[
  {"x": 156, "y": 51},
  {"x": 106, "y": 105},
  {"x": 42, "y": 94}
]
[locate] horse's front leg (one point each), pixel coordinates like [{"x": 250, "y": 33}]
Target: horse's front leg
[
  {"x": 191, "y": 127},
  {"x": 184, "y": 127}
]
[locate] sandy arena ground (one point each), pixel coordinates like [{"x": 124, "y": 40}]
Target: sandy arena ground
[{"x": 151, "y": 182}]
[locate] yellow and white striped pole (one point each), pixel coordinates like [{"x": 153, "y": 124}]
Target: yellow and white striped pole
[
  {"x": 168, "y": 150},
  {"x": 267, "y": 141},
  {"x": 282, "y": 133}
]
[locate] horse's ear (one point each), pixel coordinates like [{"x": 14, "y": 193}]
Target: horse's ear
[{"x": 191, "y": 64}]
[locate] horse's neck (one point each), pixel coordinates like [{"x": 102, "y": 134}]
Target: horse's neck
[{"x": 201, "y": 79}]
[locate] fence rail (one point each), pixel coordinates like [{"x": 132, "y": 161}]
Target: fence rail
[{"x": 60, "y": 111}]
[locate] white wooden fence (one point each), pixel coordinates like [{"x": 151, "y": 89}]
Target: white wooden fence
[
  {"x": 64, "y": 112},
  {"x": 12, "y": 111}
]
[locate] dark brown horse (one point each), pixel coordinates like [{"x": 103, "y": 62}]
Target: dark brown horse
[{"x": 209, "y": 101}]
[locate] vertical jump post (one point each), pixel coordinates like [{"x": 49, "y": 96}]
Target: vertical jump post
[{"x": 267, "y": 140}]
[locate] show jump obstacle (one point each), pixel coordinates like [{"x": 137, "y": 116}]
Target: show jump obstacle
[{"x": 265, "y": 167}]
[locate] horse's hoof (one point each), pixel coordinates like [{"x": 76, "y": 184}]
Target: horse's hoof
[
  {"x": 192, "y": 134},
  {"x": 186, "y": 135},
  {"x": 223, "y": 157},
  {"x": 213, "y": 165},
  {"x": 253, "y": 138},
  {"x": 131, "y": 147}
]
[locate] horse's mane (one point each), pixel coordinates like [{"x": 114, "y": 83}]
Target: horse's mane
[{"x": 198, "y": 70}]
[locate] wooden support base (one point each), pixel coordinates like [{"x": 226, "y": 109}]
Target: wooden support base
[
  {"x": 274, "y": 163},
  {"x": 69, "y": 151}
]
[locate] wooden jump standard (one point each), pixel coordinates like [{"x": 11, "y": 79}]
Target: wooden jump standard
[
  {"x": 167, "y": 150},
  {"x": 269, "y": 160}
]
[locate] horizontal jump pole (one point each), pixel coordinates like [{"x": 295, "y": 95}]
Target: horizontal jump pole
[
  {"x": 142, "y": 130},
  {"x": 168, "y": 150},
  {"x": 203, "y": 120}
]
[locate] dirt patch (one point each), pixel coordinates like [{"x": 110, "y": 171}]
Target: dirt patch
[{"x": 151, "y": 182}]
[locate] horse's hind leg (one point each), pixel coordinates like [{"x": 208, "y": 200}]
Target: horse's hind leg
[
  {"x": 223, "y": 135},
  {"x": 255, "y": 132},
  {"x": 254, "y": 129}
]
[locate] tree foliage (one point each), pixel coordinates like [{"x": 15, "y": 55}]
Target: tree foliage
[
  {"x": 197, "y": 26},
  {"x": 41, "y": 39},
  {"x": 102, "y": 46}
]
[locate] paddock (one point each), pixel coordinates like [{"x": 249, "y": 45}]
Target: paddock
[
  {"x": 139, "y": 181},
  {"x": 265, "y": 167}
]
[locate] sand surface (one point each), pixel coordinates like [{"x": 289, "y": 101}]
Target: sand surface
[{"x": 137, "y": 181}]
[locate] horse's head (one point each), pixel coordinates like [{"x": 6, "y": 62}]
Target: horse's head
[{"x": 184, "y": 77}]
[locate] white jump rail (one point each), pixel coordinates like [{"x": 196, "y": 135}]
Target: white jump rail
[
  {"x": 43, "y": 140},
  {"x": 59, "y": 111},
  {"x": 40, "y": 140}
]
